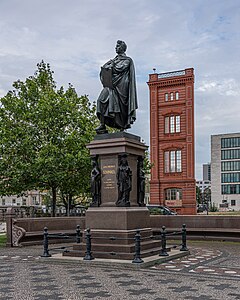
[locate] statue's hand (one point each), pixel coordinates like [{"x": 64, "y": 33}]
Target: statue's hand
[{"x": 109, "y": 64}]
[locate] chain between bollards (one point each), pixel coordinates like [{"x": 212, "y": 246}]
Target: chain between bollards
[
  {"x": 137, "y": 257},
  {"x": 78, "y": 234},
  {"x": 88, "y": 252},
  {"x": 163, "y": 251},
  {"x": 184, "y": 238},
  {"x": 45, "y": 243}
]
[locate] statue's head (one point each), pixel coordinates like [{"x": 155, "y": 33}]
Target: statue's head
[{"x": 121, "y": 47}]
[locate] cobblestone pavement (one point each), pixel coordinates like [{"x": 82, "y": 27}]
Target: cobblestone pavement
[{"x": 211, "y": 271}]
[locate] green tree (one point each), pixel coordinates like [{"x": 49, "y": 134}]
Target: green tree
[
  {"x": 43, "y": 133},
  {"x": 198, "y": 195}
]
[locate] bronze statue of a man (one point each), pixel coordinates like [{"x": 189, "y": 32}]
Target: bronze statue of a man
[{"x": 117, "y": 102}]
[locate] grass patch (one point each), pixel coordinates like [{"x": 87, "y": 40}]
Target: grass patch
[{"x": 3, "y": 240}]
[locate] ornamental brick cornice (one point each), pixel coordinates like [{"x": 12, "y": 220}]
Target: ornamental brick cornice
[
  {"x": 172, "y": 111},
  {"x": 171, "y": 82},
  {"x": 173, "y": 146}
]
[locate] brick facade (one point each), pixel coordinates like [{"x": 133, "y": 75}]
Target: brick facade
[{"x": 179, "y": 86}]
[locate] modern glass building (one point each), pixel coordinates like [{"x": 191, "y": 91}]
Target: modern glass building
[{"x": 225, "y": 170}]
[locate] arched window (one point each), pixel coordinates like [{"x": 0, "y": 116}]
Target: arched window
[
  {"x": 172, "y": 124},
  {"x": 173, "y": 194},
  {"x": 173, "y": 161}
]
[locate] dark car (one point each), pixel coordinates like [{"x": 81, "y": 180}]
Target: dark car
[{"x": 160, "y": 210}]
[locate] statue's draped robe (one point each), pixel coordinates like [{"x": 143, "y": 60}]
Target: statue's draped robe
[{"x": 118, "y": 105}]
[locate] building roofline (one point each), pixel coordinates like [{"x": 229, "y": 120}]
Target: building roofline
[{"x": 222, "y": 134}]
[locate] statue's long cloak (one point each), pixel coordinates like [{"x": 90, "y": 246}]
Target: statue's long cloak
[{"x": 118, "y": 104}]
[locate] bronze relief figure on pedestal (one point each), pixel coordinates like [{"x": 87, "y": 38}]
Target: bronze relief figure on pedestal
[
  {"x": 124, "y": 182},
  {"x": 95, "y": 183}
]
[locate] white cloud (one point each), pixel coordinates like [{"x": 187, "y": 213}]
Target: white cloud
[
  {"x": 77, "y": 37},
  {"x": 227, "y": 87}
]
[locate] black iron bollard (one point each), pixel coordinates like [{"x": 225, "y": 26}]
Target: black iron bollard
[
  {"x": 78, "y": 235},
  {"x": 45, "y": 243},
  {"x": 137, "y": 257},
  {"x": 88, "y": 252},
  {"x": 184, "y": 238},
  {"x": 163, "y": 251}
]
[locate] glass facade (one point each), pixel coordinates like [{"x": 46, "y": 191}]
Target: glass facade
[
  {"x": 231, "y": 189},
  {"x": 230, "y": 177},
  {"x": 233, "y": 164},
  {"x": 230, "y": 165},
  {"x": 230, "y": 154},
  {"x": 230, "y": 142}
]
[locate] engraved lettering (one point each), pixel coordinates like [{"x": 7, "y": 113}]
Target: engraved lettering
[{"x": 109, "y": 172}]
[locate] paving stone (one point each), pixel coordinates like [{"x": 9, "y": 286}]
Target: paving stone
[
  {"x": 129, "y": 282},
  {"x": 182, "y": 289},
  {"x": 48, "y": 297},
  {"x": 101, "y": 294},
  {"x": 37, "y": 280},
  {"x": 221, "y": 287},
  {"x": 201, "y": 297},
  {"x": 121, "y": 275},
  {"x": 142, "y": 291},
  {"x": 91, "y": 285},
  {"x": 237, "y": 296}
]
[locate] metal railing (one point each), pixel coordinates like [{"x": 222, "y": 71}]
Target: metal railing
[{"x": 137, "y": 239}]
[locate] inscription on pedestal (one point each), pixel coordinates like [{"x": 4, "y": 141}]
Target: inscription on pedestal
[
  {"x": 109, "y": 177},
  {"x": 109, "y": 180}
]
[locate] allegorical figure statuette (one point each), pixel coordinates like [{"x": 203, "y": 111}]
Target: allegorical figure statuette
[
  {"x": 95, "y": 183},
  {"x": 117, "y": 102},
  {"x": 141, "y": 182},
  {"x": 124, "y": 182}
]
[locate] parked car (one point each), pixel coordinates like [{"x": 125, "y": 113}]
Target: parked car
[{"x": 160, "y": 210}]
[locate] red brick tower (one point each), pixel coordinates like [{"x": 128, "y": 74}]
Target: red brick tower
[{"x": 172, "y": 140}]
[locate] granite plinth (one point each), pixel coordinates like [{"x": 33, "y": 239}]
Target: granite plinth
[
  {"x": 108, "y": 148},
  {"x": 117, "y": 218}
]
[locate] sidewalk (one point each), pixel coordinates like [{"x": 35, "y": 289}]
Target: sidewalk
[{"x": 211, "y": 271}]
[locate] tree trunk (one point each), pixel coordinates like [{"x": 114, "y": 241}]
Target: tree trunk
[{"x": 54, "y": 200}]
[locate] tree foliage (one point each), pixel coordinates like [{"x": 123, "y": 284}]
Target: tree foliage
[
  {"x": 43, "y": 133},
  {"x": 198, "y": 195}
]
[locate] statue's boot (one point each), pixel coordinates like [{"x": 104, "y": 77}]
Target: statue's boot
[{"x": 101, "y": 129}]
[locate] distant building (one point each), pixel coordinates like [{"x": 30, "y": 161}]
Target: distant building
[
  {"x": 207, "y": 172},
  {"x": 30, "y": 198},
  {"x": 225, "y": 170},
  {"x": 203, "y": 184},
  {"x": 172, "y": 140}
]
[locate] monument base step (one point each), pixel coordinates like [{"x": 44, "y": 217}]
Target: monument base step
[{"x": 114, "y": 255}]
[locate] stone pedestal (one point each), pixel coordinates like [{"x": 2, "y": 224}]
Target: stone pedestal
[
  {"x": 108, "y": 148},
  {"x": 113, "y": 228}
]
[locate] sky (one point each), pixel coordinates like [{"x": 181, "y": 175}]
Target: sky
[{"x": 76, "y": 37}]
